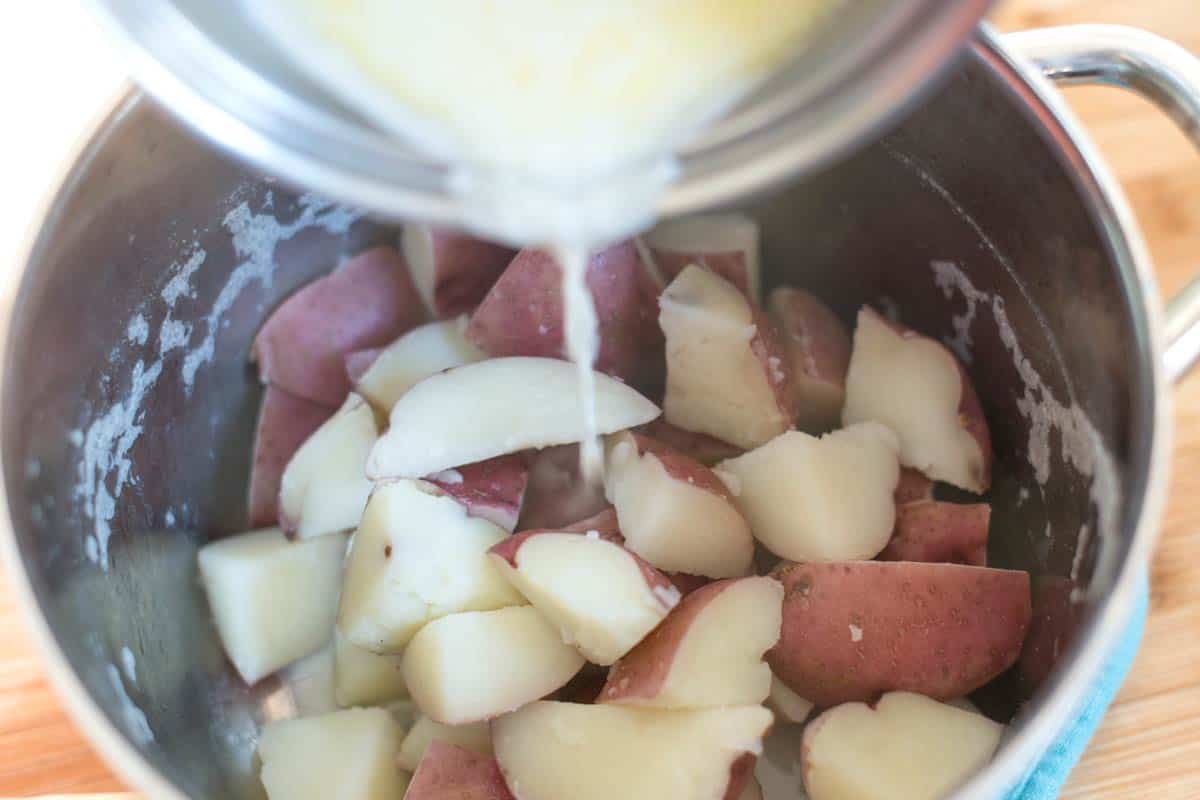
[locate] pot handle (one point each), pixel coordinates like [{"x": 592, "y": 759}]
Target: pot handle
[{"x": 1158, "y": 70}]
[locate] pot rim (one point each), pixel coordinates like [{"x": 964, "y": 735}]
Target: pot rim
[{"x": 1068, "y": 689}]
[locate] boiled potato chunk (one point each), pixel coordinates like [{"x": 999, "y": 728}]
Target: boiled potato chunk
[
  {"x": 346, "y": 755},
  {"x": 478, "y": 665},
  {"x": 364, "y": 678},
  {"x": 417, "y": 556},
  {"x": 448, "y": 772},
  {"x": 551, "y": 751},
  {"x": 475, "y": 736},
  {"x": 907, "y": 747},
  {"x": 273, "y": 600}
]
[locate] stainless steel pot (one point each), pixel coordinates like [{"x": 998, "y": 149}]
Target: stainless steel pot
[{"x": 985, "y": 218}]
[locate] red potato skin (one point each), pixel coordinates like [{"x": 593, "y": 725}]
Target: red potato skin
[
  {"x": 447, "y": 772},
  {"x": 284, "y": 423},
  {"x": 935, "y": 531},
  {"x": 556, "y": 494},
  {"x": 366, "y": 302},
  {"x": 739, "y": 773},
  {"x": 708, "y": 450},
  {"x": 942, "y": 630},
  {"x": 465, "y": 269},
  {"x": 358, "y": 362},
  {"x": 522, "y": 314},
  {"x": 493, "y": 489},
  {"x": 730, "y": 265},
  {"x": 771, "y": 351},
  {"x": 818, "y": 346},
  {"x": 813, "y": 331},
  {"x": 642, "y": 671},
  {"x": 913, "y": 487},
  {"x": 510, "y": 551},
  {"x": 681, "y": 467},
  {"x": 970, "y": 412}
]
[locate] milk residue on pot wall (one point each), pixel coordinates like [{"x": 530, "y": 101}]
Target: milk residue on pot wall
[
  {"x": 1079, "y": 443},
  {"x": 107, "y": 435}
]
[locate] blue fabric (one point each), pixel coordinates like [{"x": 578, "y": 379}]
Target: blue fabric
[{"x": 1049, "y": 775}]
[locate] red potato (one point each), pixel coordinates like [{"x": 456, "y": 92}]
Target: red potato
[
  {"x": 674, "y": 511},
  {"x": 551, "y": 751},
  {"x": 358, "y": 362},
  {"x": 708, "y": 450},
  {"x": 606, "y": 526},
  {"x": 557, "y": 494},
  {"x": 495, "y": 407},
  {"x": 424, "y": 351},
  {"x": 481, "y": 664},
  {"x": 935, "y": 531},
  {"x": 493, "y": 490},
  {"x": 453, "y": 271},
  {"x": 905, "y": 747},
  {"x": 601, "y": 597},
  {"x": 284, "y": 423},
  {"x": 820, "y": 499},
  {"x": 916, "y": 387},
  {"x": 728, "y": 374},
  {"x": 913, "y": 487},
  {"x": 366, "y": 302},
  {"x": 726, "y": 243},
  {"x": 522, "y": 315},
  {"x": 854, "y": 629},
  {"x": 323, "y": 488},
  {"x": 818, "y": 346},
  {"x": 707, "y": 652},
  {"x": 455, "y": 773}
]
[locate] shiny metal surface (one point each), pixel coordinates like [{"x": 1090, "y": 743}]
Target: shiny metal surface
[
  {"x": 1162, "y": 72},
  {"x": 991, "y": 175},
  {"x": 205, "y": 61}
]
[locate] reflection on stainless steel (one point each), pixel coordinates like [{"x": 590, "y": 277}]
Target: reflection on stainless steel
[{"x": 991, "y": 175}]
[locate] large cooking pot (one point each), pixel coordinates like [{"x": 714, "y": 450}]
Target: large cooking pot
[{"x": 985, "y": 219}]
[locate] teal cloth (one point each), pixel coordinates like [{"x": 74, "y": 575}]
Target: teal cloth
[{"x": 1047, "y": 778}]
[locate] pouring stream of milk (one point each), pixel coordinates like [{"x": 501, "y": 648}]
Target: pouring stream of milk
[{"x": 559, "y": 118}]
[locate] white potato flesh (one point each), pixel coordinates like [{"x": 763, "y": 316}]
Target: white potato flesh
[
  {"x": 345, "y": 755},
  {"x": 365, "y": 678},
  {"x": 417, "y": 556},
  {"x": 311, "y": 682},
  {"x": 913, "y": 385},
  {"x": 675, "y": 525},
  {"x": 787, "y": 705},
  {"x": 716, "y": 382},
  {"x": 273, "y": 600},
  {"x": 717, "y": 656},
  {"x": 551, "y": 751},
  {"x": 752, "y": 790},
  {"x": 324, "y": 487},
  {"x": 476, "y": 737},
  {"x": 593, "y": 591},
  {"x": 820, "y": 499},
  {"x": 909, "y": 747},
  {"x": 412, "y": 358},
  {"x": 478, "y": 665},
  {"x": 494, "y": 407}
]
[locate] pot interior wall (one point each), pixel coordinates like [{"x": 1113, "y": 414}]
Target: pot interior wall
[{"x": 129, "y": 400}]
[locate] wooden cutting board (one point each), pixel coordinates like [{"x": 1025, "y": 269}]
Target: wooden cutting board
[{"x": 1149, "y": 745}]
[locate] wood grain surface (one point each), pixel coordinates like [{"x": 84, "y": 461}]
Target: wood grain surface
[{"x": 1149, "y": 744}]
